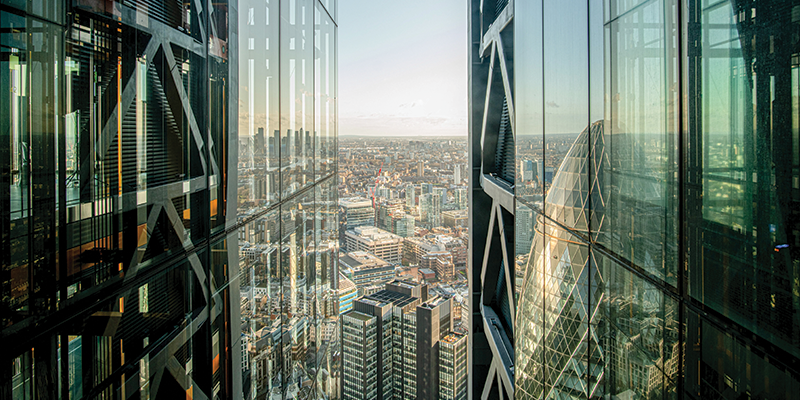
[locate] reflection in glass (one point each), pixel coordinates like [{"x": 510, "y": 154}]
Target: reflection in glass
[{"x": 604, "y": 294}]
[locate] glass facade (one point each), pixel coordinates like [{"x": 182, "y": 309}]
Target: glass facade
[
  {"x": 287, "y": 199},
  {"x": 117, "y": 193},
  {"x": 655, "y": 206},
  {"x": 156, "y": 243}
]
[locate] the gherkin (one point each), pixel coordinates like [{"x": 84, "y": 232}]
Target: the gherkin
[{"x": 558, "y": 352}]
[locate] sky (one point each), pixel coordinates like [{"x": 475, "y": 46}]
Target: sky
[{"x": 402, "y": 67}]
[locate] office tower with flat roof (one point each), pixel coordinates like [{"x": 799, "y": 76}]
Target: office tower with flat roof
[
  {"x": 663, "y": 227},
  {"x": 360, "y": 334},
  {"x": 434, "y": 321},
  {"x": 453, "y": 367},
  {"x": 403, "y": 225},
  {"x": 119, "y": 173},
  {"x": 461, "y": 197}
]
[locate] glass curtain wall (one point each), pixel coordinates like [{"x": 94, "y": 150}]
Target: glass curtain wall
[
  {"x": 154, "y": 245},
  {"x": 116, "y": 175},
  {"x": 287, "y": 199},
  {"x": 662, "y": 259}
]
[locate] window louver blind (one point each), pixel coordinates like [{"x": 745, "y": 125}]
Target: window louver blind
[
  {"x": 504, "y": 155},
  {"x": 499, "y": 6}
]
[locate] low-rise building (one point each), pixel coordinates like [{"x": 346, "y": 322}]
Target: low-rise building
[
  {"x": 365, "y": 269},
  {"x": 379, "y": 242}
]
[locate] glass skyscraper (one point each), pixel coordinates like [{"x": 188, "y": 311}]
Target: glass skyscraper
[
  {"x": 663, "y": 260},
  {"x": 169, "y": 219}
]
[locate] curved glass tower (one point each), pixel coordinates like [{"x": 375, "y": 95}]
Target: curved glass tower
[{"x": 559, "y": 356}]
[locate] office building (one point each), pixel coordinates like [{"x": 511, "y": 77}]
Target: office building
[
  {"x": 348, "y": 291},
  {"x": 365, "y": 269},
  {"x": 385, "y": 209},
  {"x": 385, "y": 245},
  {"x": 664, "y": 223},
  {"x": 452, "y": 219},
  {"x": 461, "y": 196},
  {"x": 442, "y": 193},
  {"x": 440, "y": 262},
  {"x": 355, "y": 212},
  {"x": 403, "y": 225},
  {"x": 527, "y": 170},
  {"x": 143, "y": 258},
  {"x": 453, "y": 349},
  {"x": 360, "y": 356}
]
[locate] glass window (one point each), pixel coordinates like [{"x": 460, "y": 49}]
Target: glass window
[
  {"x": 297, "y": 95},
  {"x": 259, "y": 129},
  {"x": 639, "y": 180}
]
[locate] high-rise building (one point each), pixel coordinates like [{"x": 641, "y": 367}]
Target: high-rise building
[
  {"x": 403, "y": 225},
  {"x": 385, "y": 209},
  {"x": 392, "y": 345},
  {"x": 411, "y": 197},
  {"x": 664, "y": 230},
  {"x": 453, "y": 349},
  {"x": 442, "y": 193},
  {"x": 430, "y": 209},
  {"x": 120, "y": 263},
  {"x": 457, "y": 174},
  {"x": 461, "y": 196},
  {"x": 527, "y": 170}
]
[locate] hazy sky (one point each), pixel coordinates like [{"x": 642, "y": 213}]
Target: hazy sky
[{"x": 402, "y": 67}]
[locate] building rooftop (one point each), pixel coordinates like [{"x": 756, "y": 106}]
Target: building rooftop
[
  {"x": 345, "y": 283},
  {"x": 374, "y": 234},
  {"x": 405, "y": 284},
  {"x": 355, "y": 260},
  {"x": 433, "y": 302},
  {"x": 359, "y": 316},
  {"x": 355, "y": 202},
  {"x": 457, "y": 213},
  {"x": 387, "y": 296},
  {"x": 453, "y": 338}
]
